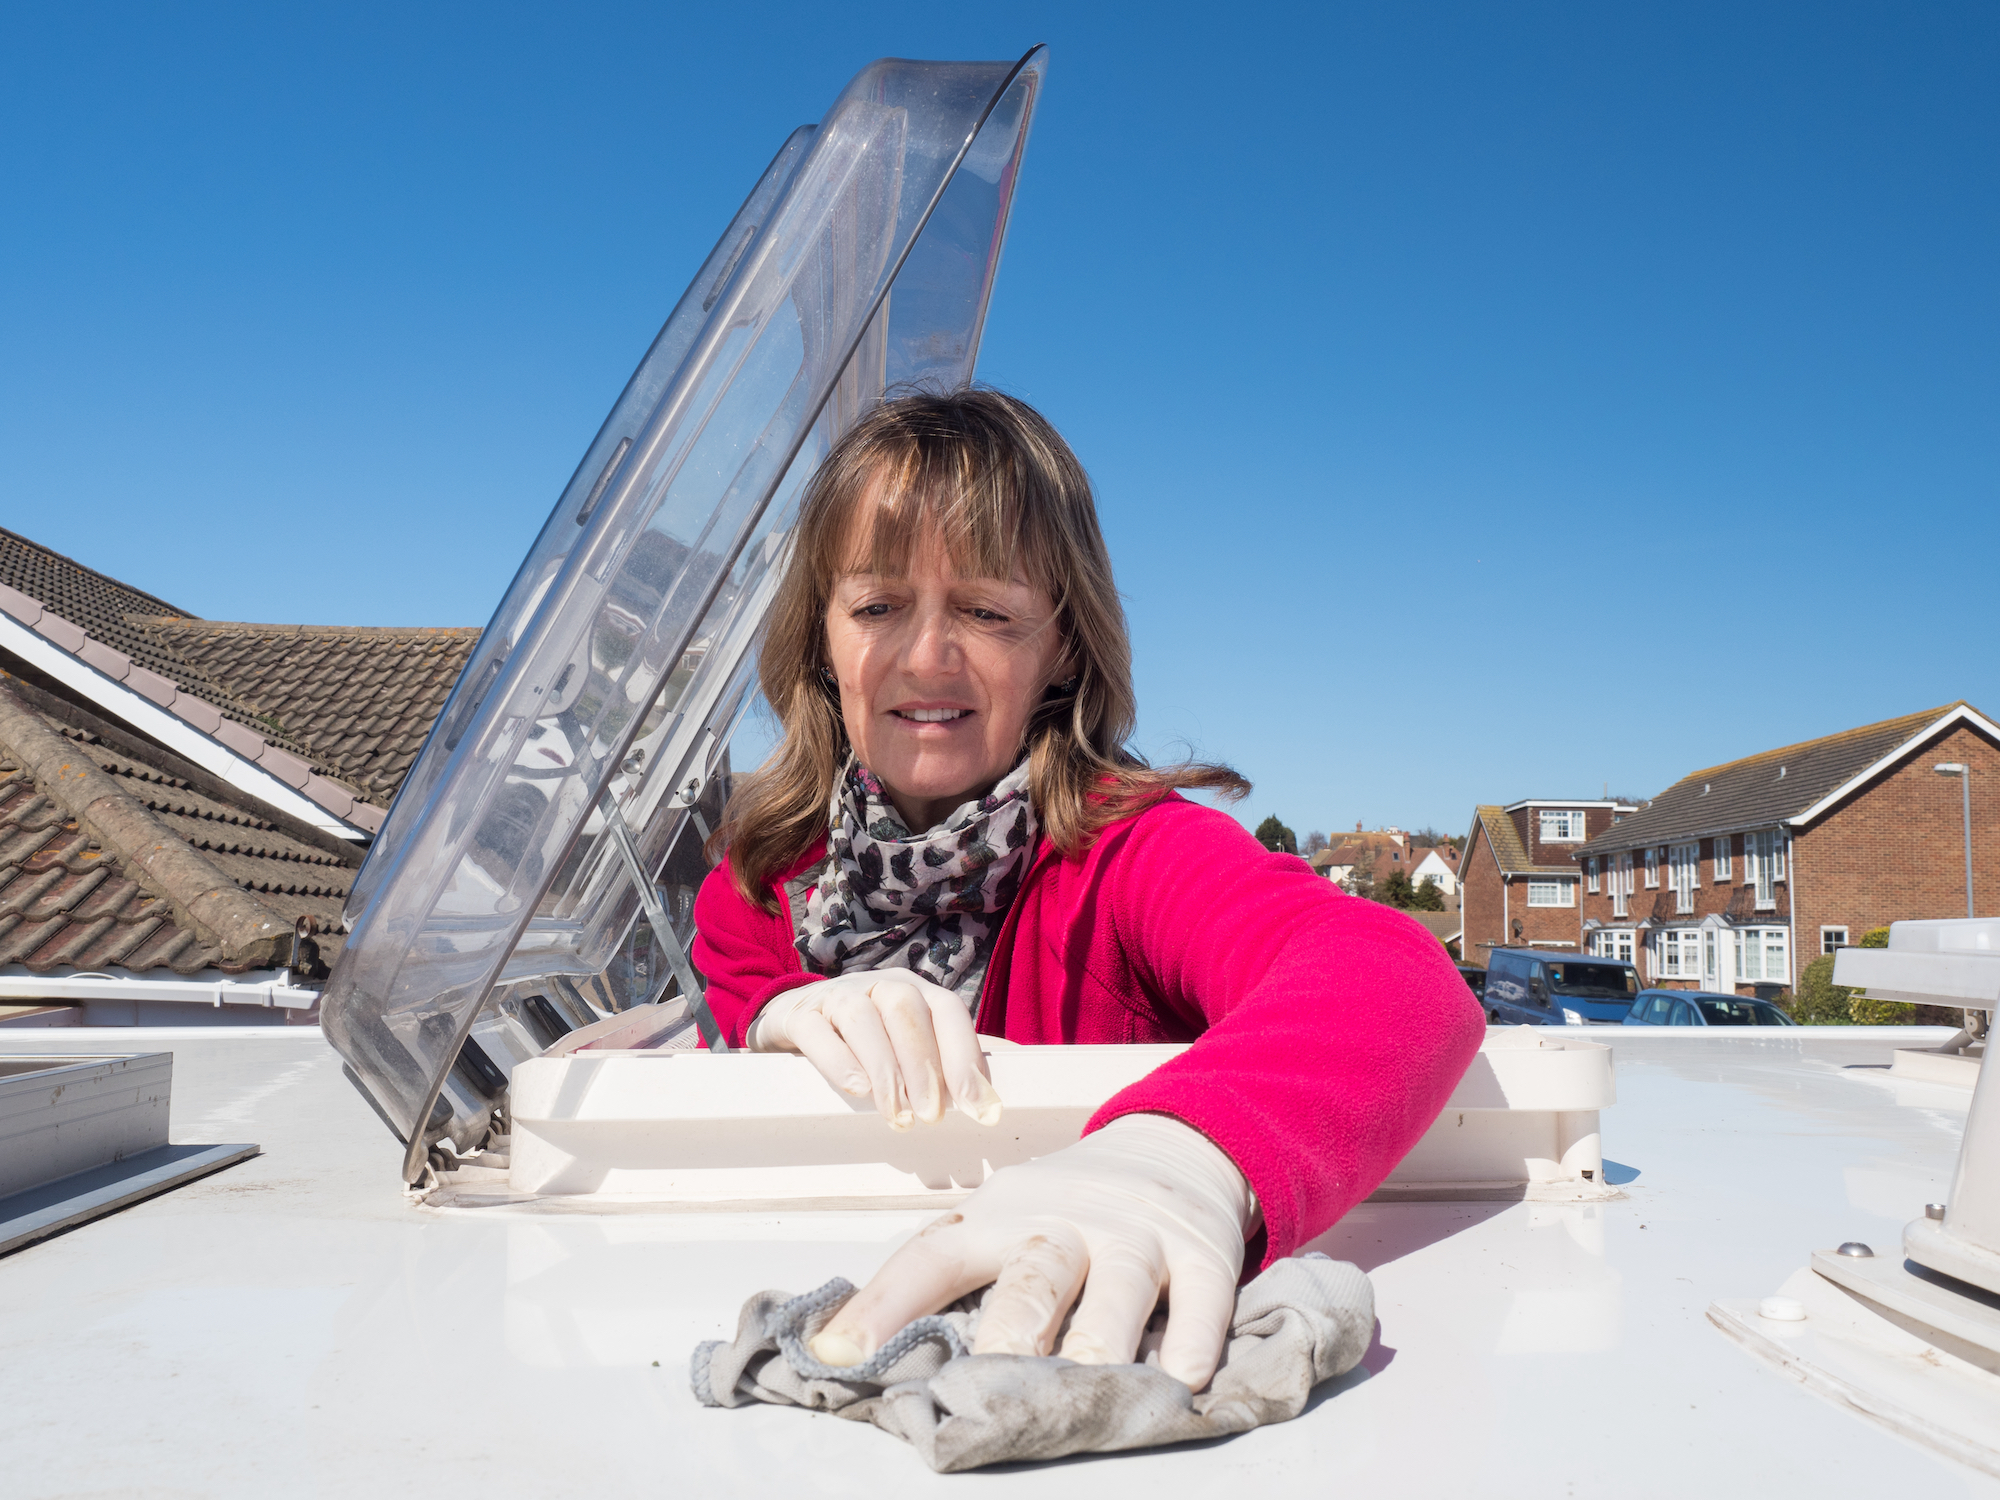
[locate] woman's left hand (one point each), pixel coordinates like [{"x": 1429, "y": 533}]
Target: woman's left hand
[{"x": 1144, "y": 1207}]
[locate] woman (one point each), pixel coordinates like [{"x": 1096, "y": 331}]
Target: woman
[{"x": 952, "y": 840}]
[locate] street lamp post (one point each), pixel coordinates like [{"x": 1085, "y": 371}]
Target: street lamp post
[{"x": 1964, "y": 774}]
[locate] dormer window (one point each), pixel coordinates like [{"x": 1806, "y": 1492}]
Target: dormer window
[{"x": 1562, "y": 826}]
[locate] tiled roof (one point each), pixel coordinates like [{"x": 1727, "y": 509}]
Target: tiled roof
[
  {"x": 1508, "y": 850},
  {"x": 1764, "y": 789},
  {"x": 66, "y": 586},
  {"x": 117, "y": 855},
  {"x": 338, "y": 712},
  {"x": 358, "y": 699},
  {"x": 102, "y": 606},
  {"x": 1445, "y": 926}
]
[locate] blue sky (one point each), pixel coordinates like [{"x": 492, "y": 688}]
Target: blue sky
[{"x": 1485, "y": 401}]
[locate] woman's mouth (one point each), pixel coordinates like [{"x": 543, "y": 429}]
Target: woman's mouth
[{"x": 930, "y": 715}]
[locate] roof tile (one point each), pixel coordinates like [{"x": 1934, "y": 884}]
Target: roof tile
[
  {"x": 66, "y": 902},
  {"x": 1763, "y": 789},
  {"x": 351, "y": 704},
  {"x": 355, "y": 701}
]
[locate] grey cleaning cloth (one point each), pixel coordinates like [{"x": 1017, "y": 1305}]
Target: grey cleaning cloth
[{"x": 1297, "y": 1323}]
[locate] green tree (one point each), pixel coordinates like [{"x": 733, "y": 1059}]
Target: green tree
[
  {"x": 1394, "y": 889},
  {"x": 1398, "y": 890},
  {"x": 1276, "y": 837},
  {"x": 1818, "y": 1001}
]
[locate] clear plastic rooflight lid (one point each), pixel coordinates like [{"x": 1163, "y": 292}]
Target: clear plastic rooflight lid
[{"x": 584, "y": 741}]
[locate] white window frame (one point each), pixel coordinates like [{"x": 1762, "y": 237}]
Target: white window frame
[
  {"x": 1764, "y": 865},
  {"x": 1826, "y": 933},
  {"x": 1763, "y": 955},
  {"x": 1652, "y": 868},
  {"x": 1590, "y": 873},
  {"x": 1572, "y": 820},
  {"x": 1613, "y": 943},
  {"x": 1680, "y": 953},
  {"x": 1621, "y": 885},
  {"x": 1684, "y": 875},
  {"x": 1566, "y": 889},
  {"x": 1723, "y": 861}
]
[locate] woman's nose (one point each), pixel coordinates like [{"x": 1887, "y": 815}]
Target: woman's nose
[{"x": 933, "y": 647}]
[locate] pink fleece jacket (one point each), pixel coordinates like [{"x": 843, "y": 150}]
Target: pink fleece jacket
[{"x": 1328, "y": 1031}]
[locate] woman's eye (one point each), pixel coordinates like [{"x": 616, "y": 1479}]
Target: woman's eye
[
  {"x": 992, "y": 616},
  {"x": 873, "y": 611}
]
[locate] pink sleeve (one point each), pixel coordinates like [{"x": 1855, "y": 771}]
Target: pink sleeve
[
  {"x": 745, "y": 955},
  {"x": 1337, "y": 1027}
]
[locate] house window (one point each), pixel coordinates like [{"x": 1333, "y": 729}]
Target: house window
[
  {"x": 1613, "y": 942},
  {"x": 1652, "y": 869},
  {"x": 1761, "y": 955},
  {"x": 1708, "y": 967},
  {"x": 1678, "y": 953},
  {"x": 1684, "y": 874},
  {"x": 1621, "y": 885},
  {"x": 1722, "y": 861},
  {"x": 1562, "y": 827},
  {"x": 1764, "y": 865},
  {"x": 1590, "y": 873},
  {"x": 1552, "y": 893},
  {"x": 1832, "y": 939}
]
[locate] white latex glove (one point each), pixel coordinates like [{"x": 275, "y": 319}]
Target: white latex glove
[
  {"x": 1146, "y": 1206},
  {"x": 890, "y": 1033}
]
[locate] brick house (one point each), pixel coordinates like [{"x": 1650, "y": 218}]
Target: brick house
[
  {"x": 1519, "y": 875},
  {"x": 1737, "y": 875}
]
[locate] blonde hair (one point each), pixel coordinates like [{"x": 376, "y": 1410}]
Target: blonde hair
[{"x": 1004, "y": 494}]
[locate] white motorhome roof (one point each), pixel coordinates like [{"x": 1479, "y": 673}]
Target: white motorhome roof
[{"x": 292, "y": 1324}]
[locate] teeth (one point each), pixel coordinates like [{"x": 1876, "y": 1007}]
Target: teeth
[{"x": 935, "y": 715}]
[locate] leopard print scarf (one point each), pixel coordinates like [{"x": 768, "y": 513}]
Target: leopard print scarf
[{"x": 931, "y": 902}]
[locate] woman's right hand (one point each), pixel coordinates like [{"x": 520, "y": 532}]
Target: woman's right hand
[{"x": 892, "y": 1034}]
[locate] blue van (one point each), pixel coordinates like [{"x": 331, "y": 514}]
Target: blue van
[{"x": 1525, "y": 987}]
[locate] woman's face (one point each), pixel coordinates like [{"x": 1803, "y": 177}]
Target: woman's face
[{"x": 938, "y": 674}]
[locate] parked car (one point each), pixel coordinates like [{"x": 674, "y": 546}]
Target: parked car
[
  {"x": 1475, "y": 979},
  {"x": 1703, "y": 1008},
  {"x": 1524, "y": 987}
]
